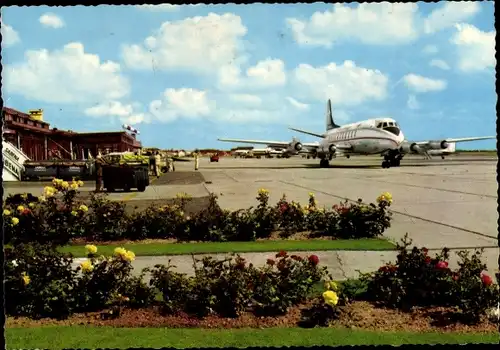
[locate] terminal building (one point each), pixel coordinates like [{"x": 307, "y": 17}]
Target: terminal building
[{"x": 27, "y": 136}]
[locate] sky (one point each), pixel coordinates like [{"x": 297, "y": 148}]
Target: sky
[{"x": 187, "y": 75}]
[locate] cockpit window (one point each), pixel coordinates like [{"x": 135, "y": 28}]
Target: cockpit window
[
  {"x": 379, "y": 125},
  {"x": 385, "y": 125}
]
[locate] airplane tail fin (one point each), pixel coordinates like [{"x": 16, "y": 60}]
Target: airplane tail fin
[{"x": 330, "y": 124}]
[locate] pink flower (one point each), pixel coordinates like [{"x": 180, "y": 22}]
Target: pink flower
[
  {"x": 313, "y": 259},
  {"x": 487, "y": 280},
  {"x": 442, "y": 265}
]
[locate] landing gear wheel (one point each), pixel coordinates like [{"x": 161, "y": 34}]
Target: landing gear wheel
[
  {"x": 386, "y": 164},
  {"x": 395, "y": 162},
  {"x": 324, "y": 163}
]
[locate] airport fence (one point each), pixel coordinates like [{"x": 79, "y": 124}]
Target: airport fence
[{"x": 59, "y": 217}]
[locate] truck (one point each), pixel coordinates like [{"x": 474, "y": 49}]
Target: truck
[{"x": 125, "y": 171}]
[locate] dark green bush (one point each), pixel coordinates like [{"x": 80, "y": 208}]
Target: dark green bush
[{"x": 417, "y": 279}]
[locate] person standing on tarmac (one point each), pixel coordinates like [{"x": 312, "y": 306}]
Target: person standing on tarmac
[
  {"x": 157, "y": 164},
  {"x": 196, "y": 161},
  {"x": 99, "y": 172}
]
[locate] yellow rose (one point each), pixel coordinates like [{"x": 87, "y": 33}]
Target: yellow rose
[
  {"x": 74, "y": 213},
  {"x": 26, "y": 279},
  {"x": 41, "y": 199},
  {"x": 263, "y": 191},
  {"x": 49, "y": 191},
  {"x": 86, "y": 266},
  {"x": 6, "y": 212},
  {"x": 64, "y": 184},
  {"x": 311, "y": 194},
  {"x": 24, "y": 196},
  {"x": 129, "y": 256},
  {"x": 83, "y": 208},
  {"x": 80, "y": 183},
  {"x": 330, "y": 298},
  {"x": 20, "y": 208},
  {"x": 331, "y": 285},
  {"x": 31, "y": 205},
  {"x": 120, "y": 252},
  {"x": 91, "y": 249},
  {"x": 14, "y": 221},
  {"x": 74, "y": 186}
]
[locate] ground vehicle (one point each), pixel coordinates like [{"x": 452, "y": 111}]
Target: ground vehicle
[
  {"x": 125, "y": 171},
  {"x": 214, "y": 158}
]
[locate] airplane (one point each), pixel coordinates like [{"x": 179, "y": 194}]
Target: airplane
[
  {"x": 278, "y": 147},
  {"x": 369, "y": 137}
]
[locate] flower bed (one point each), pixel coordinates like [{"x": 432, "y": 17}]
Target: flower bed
[
  {"x": 419, "y": 290},
  {"x": 58, "y": 217}
]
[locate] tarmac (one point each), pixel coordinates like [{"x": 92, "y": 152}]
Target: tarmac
[{"x": 439, "y": 203}]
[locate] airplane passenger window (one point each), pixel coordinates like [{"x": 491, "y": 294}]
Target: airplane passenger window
[{"x": 379, "y": 125}]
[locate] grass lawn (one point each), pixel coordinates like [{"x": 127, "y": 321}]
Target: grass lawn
[
  {"x": 149, "y": 249},
  {"x": 58, "y": 337}
]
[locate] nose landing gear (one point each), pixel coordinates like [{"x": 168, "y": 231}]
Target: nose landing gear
[
  {"x": 324, "y": 163},
  {"x": 391, "y": 161}
]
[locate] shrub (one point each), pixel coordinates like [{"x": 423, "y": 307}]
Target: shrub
[
  {"x": 416, "y": 279},
  {"x": 326, "y": 308},
  {"x": 207, "y": 224},
  {"x": 106, "y": 221},
  {"x": 156, "y": 223},
  {"x": 102, "y": 278},
  {"x": 39, "y": 282},
  {"x": 55, "y": 217},
  {"x": 356, "y": 220},
  {"x": 284, "y": 282},
  {"x": 230, "y": 286}
]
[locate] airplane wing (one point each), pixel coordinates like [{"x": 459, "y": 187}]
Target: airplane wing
[
  {"x": 423, "y": 147},
  {"x": 464, "y": 139}
]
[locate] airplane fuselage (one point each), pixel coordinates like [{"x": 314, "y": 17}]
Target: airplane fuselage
[{"x": 367, "y": 137}]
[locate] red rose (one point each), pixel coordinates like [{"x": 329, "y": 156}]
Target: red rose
[
  {"x": 487, "y": 280},
  {"x": 455, "y": 277},
  {"x": 296, "y": 258},
  {"x": 313, "y": 259},
  {"x": 283, "y": 208},
  {"x": 281, "y": 254},
  {"x": 26, "y": 211},
  {"x": 393, "y": 268},
  {"x": 270, "y": 262},
  {"x": 442, "y": 265},
  {"x": 428, "y": 259}
]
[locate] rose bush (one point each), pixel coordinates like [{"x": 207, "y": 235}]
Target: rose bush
[
  {"x": 229, "y": 286},
  {"x": 41, "y": 282},
  {"x": 417, "y": 279},
  {"x": 59, "y": 217}
]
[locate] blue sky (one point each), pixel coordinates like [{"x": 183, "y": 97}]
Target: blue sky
[{"x": 186, "y": 75}]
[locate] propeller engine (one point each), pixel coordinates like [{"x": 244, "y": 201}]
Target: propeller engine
[{"x": 295, "y": 146}]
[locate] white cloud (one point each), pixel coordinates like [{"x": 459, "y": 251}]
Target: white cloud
[
  {"x": 9, "y": 35},
  {"x": 476, "y": 49},
  {"x": 439, "y": 64},
  {"x": 124, "y": 112},
  {"x": 51, "y": 20},
  {"x": 412, "y": 102},
  {"x": 69, "y": 75},
  {"x": 184, "y": 102},
  {"x": 449, "y": 14},
  {"x": 381, "y": 24},
  {"x": 159, "y": 7},
  {"x": 297, "y": 104},
  {"x": 430, "y": 50},
  {"x": 266, "y": 73},
  {"x": 202, "y": 44},
  {"x": 344, "y": 84},
  {"x": 250, "y": 100},
  {"x": 418, "y": 83}
]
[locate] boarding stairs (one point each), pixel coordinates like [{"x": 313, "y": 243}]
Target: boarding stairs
[{"x": 13, "y": 162}]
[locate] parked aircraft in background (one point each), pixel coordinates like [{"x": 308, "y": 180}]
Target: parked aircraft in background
[
  {"x": 293, "y": 147},
  {"x": 374, "y": 136}
]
